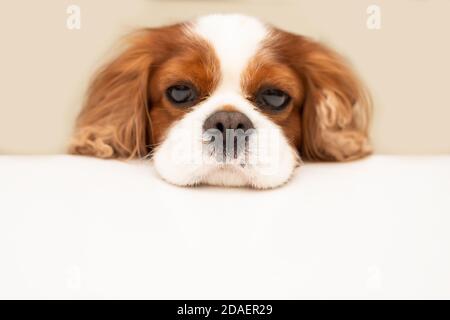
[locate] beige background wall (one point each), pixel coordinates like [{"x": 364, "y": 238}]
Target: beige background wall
[{"x": 44, "y": 67}]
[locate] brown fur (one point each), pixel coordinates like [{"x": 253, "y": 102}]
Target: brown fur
[
  {"x": 126, "y": 112},
  {"x": 263, "y": 71},
  {"x": 196, "y": 64},
  {"x": 335, "y": 108}
]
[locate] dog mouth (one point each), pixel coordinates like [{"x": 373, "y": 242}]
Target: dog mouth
[
  {"x": 227, "y": 149},
  {"x": 261, "y": 159}
]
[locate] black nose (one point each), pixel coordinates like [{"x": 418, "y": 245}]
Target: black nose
[
  {"x": 223, "y": 120},
  {"x": 234, "y": 128}
]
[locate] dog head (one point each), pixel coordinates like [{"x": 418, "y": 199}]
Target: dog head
[{"x": 224, "y": 100}]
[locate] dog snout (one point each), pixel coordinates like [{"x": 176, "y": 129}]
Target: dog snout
[
  {"x": 224, "y": 120},
  {"x": 229, "y": 131}
]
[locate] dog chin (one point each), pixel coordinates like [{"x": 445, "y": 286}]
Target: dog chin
[
  {"x": 224, "y": 175},
  {"x": 271, "y": 173},
  {"x": 227, "y": 176}
]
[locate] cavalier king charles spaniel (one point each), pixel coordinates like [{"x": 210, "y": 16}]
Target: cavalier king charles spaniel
[{"x": 224, "y": 100}]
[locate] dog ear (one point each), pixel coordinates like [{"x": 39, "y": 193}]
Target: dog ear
[
  {"x": 336, "y": 109},
  {"x": 114, "y": 121}
]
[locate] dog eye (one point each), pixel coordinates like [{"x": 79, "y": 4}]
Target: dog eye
[
  {"x": 272, "y": 99},
  {"x": 181, "y": 95}
]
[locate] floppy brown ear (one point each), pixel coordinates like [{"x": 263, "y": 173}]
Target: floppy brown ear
[
  {"x": 114, "y": 121},
  {"x": 336, "y": 109},
  {"x": 336, "y": 112}
]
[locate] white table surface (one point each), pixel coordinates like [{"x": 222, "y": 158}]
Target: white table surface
[{"x": 74, "y": 227}]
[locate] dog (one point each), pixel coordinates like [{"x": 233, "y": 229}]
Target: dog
[{"x": 224, "y": 100}]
